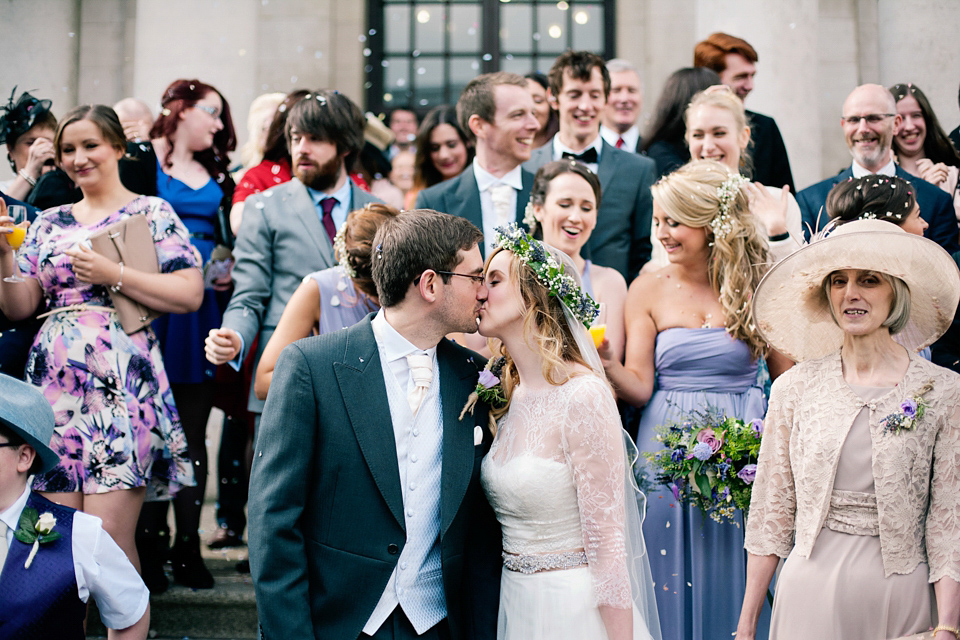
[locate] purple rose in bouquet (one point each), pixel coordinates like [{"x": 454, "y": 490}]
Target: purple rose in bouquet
[
  {"x": 710, "y": 438},
  {"x": 748, "y": 474}
]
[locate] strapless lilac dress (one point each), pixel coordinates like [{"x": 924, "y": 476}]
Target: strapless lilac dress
[{"x": 698, "y": 565}]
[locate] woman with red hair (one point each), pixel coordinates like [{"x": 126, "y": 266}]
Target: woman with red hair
[{"x": 191, "y": 138}]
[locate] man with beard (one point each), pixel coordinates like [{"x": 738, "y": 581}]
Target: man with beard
[
  {"x": 367, "y": 518},
  {"x": 735, "y": 61},
  {"x": 870, "y": 121},
  {"x": 287, "y": 232}
]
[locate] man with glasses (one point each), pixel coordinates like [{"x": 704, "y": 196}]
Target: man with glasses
[
  {"x": 367, "y": 518},
  {"x": 870, "y": 121}
]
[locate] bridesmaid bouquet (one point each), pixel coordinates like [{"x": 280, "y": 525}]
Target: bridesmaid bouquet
[{"x": 709, "y": 460}]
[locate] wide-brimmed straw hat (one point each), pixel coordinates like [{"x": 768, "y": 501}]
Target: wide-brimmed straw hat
[
  {"x": 27, "y": 413},
  {"x": 793, "y": 314}
]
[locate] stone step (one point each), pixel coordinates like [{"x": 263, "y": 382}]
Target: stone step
[{"x": 228, "y": 611}]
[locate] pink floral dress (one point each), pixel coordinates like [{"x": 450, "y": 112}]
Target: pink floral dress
[{"x": 116, "y": 423}]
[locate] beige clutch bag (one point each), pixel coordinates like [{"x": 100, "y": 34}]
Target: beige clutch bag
[{"x": 129, "y": 241}]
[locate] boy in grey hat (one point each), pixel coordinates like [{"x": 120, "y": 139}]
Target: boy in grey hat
[{"x": 53, "y": 558}]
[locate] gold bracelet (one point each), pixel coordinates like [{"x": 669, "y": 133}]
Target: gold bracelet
[{"x": 943, "y": 627}]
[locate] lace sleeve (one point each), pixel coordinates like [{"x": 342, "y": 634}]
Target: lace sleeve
[
  {"x": 770, "y": 523},
  {"x": 593, "y": 447},
  {"x": 943, "y": 515}
]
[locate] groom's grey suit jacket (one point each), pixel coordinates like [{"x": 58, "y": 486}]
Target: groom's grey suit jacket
[
  {"x": 326, "y": 507},
  {"x": 281, "y": 240}
]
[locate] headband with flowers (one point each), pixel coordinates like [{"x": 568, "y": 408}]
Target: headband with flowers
[{"x": 549, "y": 272}]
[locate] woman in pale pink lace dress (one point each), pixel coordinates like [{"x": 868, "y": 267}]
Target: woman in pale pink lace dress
[{"x": 858, "y": 483}]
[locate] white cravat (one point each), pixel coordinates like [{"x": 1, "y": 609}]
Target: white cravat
[
  {"x": 3, "y": 544},
  {"x": 421, "y": 369},
  {"x": 501, "y": 194}
]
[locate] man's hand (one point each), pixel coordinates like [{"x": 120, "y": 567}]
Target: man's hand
[{"x": 221, "y": 345}]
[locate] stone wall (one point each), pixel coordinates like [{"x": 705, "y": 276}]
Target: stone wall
[{"x": 812, "y": 53}]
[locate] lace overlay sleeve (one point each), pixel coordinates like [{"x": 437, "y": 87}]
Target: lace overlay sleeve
[
  {"x": 770, "y": 524},
  {"x": 943, "y": 515},
  {"x": 593, "y": 447}
]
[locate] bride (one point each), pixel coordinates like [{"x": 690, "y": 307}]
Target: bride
[{"x": 558, "y": 474}]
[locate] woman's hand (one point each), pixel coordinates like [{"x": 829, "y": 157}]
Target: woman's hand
[
  {"x": 41, "y": 151},
  {"x": 607, "y": 356},
  {"x": 933, "y": 173},
  {"x": 770, "y": 210},
  {"x": 90, "y": 266}
]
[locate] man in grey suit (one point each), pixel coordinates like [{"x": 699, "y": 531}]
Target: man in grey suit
[
  {"x": 287, "y": 232},
  {"x": 579, "y": 87},
  {"x": 367, "y": 518},
  {"x": 496, "y": 112}
]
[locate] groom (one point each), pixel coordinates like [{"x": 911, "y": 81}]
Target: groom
[{"x": 367, "y": 518}]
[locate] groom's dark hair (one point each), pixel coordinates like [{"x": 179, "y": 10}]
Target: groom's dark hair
[{"x": 413, "y": 242}]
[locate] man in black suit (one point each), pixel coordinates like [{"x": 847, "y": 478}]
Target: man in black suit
[
  {"x": 736, "y": 62},
  {"x": 579, "y": 85},
  {"x": 619, "y": 122},
  {"x": 367, "y": 518},
  {"x": 496, "y": 112},
  {"x": 870, "y": 122}
]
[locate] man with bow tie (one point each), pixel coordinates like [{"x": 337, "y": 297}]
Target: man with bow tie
[
  {"x": 579, "y": 88},
  {"x": 496, "y": 112}
]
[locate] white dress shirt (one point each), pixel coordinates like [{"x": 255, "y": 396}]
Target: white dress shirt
[
  {"x": 485, "y": 180},
  {"x": 416, "y": 584},
  {"x": 889, "y": 169},
  {"x": 559, "y": 148},
  {"x": 630, "y": 137},
  {"x": 101, "y": 567}
]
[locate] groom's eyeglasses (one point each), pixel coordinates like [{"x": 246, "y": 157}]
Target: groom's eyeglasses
[{"x": 476, "y": 279}]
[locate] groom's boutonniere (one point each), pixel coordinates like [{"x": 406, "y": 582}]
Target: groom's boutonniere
[
  {"x": 911, "y": 411},
  {"x": 36, "y": 530},
  {"x": 489, "y": 388}
]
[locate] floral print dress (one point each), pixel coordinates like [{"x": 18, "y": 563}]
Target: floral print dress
[{"x": 116, "y": 423}]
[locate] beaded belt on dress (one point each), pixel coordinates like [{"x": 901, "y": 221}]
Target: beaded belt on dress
[
  {"x": 77, "y": 308},
  {"x": 853, "y": 512},
  {"x": 534, "y": 563}
]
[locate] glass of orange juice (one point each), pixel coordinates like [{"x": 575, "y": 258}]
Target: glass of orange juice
[
  {"x": 15, "y": 239},
  {"x": 598, "y": 330}
]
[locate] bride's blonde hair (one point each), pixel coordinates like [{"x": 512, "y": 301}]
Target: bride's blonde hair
[
  {"x": 738, "y": 256},
  {"x": 544, "y": 327}
]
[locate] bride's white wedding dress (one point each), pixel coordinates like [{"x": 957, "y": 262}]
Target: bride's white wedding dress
[{"x": 555, "y": 477}]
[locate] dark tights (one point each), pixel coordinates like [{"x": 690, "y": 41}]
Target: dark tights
[{"x": 194, "y": 402}]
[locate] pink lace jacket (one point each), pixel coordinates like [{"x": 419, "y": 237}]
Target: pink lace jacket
[{"x": 916, "y": 472}]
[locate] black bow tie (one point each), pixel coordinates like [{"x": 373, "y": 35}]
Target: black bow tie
[{"x": 587, "y": 157}]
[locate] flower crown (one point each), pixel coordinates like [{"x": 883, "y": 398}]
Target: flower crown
[
  {"x": 549, "y": 272},
  {"x": 340, "y": 251},
  {"x": 727, "y": 192}
]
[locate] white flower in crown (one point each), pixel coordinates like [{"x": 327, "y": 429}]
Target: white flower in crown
[{"x": 727, "y": 193}]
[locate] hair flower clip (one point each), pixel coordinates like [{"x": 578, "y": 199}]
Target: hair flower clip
[{"x": 340, "y": 253}]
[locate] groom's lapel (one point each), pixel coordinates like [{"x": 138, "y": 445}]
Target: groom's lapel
[
  {"x": 457, "y": 380},
  {"x": 364, "y": 392}
]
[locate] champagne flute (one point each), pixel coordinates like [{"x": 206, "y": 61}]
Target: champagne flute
[{"x": 19, "y": 214}]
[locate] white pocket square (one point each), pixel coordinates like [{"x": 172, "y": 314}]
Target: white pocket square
[{"x": 477, "y": 435}]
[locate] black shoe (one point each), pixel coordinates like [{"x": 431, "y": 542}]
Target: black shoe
[
  {"x": 224, "y": 538},
  {"x": 243, "y": 566},
  {"x": 188, "y": 567}
]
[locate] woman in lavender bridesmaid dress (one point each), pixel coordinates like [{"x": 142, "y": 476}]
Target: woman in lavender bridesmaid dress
[{"x": 692, "y": 345}]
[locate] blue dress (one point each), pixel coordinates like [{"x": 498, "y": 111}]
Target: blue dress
[
  {"x": 698, "y": 565},
  {"x": 197, "y": 208}
]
